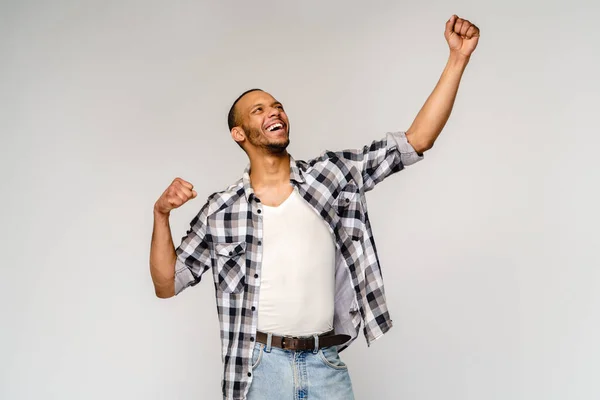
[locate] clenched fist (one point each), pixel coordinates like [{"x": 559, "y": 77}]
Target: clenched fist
[
  {"x": 177, "y": 194},
  {"x": 462, "y": 36}
]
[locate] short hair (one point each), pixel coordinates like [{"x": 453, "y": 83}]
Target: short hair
[{"x": 232, "y": 117}]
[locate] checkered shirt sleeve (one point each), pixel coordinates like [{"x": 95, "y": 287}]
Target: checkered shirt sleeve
[
  {"x": 193, "y": 254},
  {"x": 381, "y": 158}
]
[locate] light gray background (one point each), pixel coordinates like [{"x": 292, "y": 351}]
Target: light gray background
[{"x": 488, "y": 247}]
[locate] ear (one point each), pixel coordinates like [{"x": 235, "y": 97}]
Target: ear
[{"x": 238, "y": 134}]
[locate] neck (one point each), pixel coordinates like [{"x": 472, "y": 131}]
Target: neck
[{"x": 269, "y": 171}]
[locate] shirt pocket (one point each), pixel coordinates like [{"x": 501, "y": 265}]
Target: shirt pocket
[
  {"x": 230, "y": 276},
  {"x": 348, "y": 207}
]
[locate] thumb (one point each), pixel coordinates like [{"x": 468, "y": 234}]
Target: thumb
[
  {"x": 194, "y": 194},
  {"x": 450, "y": 24}
]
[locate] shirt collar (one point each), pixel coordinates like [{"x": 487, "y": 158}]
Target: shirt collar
[{"x": 295, "y": 176}]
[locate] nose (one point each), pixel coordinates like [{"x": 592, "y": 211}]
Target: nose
[{"x": 274, "y": 111}]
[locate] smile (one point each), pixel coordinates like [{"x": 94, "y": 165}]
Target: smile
[{"x": 275, "y": 127}]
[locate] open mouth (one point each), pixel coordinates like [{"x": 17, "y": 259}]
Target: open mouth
[{"x": 277, "y": 126}]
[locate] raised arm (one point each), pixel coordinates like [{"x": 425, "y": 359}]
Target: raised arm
[{"x": 462, "y": 37}]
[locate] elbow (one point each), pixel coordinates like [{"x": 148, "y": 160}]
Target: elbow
[
  {"x": 418, "y": 142},
  {"x": 164, "y": 291},
  {"x": 423, "y": 147},
  {"x": 163, "y": 280},
  {"x": 163, "y": 295}
]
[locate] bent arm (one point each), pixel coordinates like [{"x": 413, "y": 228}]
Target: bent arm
[{"x": 162, "y": 257}]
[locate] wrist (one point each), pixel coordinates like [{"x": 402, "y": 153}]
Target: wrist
[
  {"x": 457, "y": 59},
  {"x": 160, "y": 214}
]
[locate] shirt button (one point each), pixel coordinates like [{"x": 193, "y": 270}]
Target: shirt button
[
  {"x": 252, "y": 339},
  {"x": 256, "y": 275},
  {"x": 259, "y": 211},
  {"x": 231, "y": 253},
  {"x": 253, "y": 308},
  {"x": 259, "y": 242},
  {"x": 249, "y": 374},
  {"x": 347, "y": 200}
]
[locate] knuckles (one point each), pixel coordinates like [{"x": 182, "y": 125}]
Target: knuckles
[{"x": 175, "y": 196}]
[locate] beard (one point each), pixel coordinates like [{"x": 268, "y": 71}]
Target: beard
[{"x": 257, "y": 139}]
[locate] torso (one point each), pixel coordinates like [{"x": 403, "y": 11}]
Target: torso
[{"x": 297, "y": 286}]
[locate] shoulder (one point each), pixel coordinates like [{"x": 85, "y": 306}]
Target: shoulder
[
  {"x": 223, "y": 199},
  {"x": 337, "y": 166}
]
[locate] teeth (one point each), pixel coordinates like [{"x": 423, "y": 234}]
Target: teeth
[{"x": 275, "y": 126}]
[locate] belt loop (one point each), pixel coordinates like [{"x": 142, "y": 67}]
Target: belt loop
[
  {"x": 269, "y": 341},
  {"x": 316, "y": 349}
]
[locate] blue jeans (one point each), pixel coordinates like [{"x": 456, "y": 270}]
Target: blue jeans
[{"x": 280, "y": 374}]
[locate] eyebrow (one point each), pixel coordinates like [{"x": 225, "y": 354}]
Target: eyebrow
[{"x": 275, "y": 103}]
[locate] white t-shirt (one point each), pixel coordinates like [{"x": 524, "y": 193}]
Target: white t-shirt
[{"x": 297, "y": 285}]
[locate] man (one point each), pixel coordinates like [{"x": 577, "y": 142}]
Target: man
[{"x": 290, "y": 245}]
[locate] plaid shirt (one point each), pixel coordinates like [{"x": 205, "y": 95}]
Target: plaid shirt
[{"x": 226, "y": 237}]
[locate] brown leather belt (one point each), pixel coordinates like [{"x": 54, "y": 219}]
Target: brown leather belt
[{"x": 326, "y": 339}]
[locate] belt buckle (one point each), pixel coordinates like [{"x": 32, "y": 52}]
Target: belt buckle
[{"x": 285, "y": 340}]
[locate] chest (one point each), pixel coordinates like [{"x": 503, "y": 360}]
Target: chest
[
  {"x": 341, "y": 208},
  {"x": 239, "y": 232},
  {"x": 274, "y": 197}
]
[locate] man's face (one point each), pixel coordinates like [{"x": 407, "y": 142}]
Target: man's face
[{"x": 264, "y": 121}]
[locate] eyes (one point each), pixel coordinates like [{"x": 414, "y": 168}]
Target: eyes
[{"x": 260, "y": 109}]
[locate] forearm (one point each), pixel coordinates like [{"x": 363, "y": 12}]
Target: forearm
[
  {"x": 434, "y": 114},
  {"x": 162, "y": 257}
]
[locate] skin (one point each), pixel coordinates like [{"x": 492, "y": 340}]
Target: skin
[
  {"x": 269, "y": 159},
  {"x": 462, "y": 38}
]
